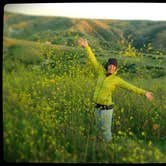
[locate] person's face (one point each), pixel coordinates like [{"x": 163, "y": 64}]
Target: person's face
[{"x": 111, "y": 69}]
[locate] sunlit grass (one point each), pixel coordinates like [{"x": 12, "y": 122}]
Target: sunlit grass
[{"x": 48, "y": 114}]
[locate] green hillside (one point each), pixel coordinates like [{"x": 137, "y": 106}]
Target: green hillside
[
  {"x": 107, "y": 34},
  {"x": 48, "y": 86}
]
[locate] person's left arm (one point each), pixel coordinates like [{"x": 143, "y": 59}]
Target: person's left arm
[{"x": 130, "y": 87}]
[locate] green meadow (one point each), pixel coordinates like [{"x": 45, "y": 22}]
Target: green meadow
[{"x": 48, "y": 85}]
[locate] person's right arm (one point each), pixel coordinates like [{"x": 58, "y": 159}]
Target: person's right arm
[{"x": 84, "y": 43}]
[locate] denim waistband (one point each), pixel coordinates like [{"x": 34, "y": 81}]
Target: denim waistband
[{"x": 105, "y": 107}]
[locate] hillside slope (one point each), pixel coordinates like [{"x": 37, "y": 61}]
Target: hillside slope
[{"x": 103, "y": 33}]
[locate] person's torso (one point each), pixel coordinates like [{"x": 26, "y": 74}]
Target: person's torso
[{"x": 104, "y": 89}]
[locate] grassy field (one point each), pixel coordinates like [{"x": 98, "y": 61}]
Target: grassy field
[{"x": 48, "y": 112}]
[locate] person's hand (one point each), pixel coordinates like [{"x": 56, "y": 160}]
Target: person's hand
[
  {"x": 149, "y": 96},
  {"x": 82, "y": 42}
]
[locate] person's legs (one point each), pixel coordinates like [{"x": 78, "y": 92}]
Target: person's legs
[{"x": 104, "y": 122}]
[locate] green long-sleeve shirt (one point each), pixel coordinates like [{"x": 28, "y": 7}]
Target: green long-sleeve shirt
[{"x": 107, "y": 84}]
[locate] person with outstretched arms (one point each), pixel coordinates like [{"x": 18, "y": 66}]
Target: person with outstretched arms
[{"x": 107, "y": 82}]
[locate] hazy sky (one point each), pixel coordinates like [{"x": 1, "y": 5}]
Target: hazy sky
[{"x": 129, "y": 11}]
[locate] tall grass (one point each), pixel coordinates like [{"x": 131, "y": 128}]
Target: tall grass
[{"x": 48, "y": 114}]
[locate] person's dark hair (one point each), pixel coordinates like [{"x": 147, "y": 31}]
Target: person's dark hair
[{"x": 112, "y": 61}]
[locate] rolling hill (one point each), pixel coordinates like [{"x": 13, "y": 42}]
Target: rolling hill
[
  {"x": 114, "y": 34},
  {"x": 48, "y": 86}
]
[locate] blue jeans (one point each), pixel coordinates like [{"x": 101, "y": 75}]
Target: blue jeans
[{"x": 104, "y": 122}]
